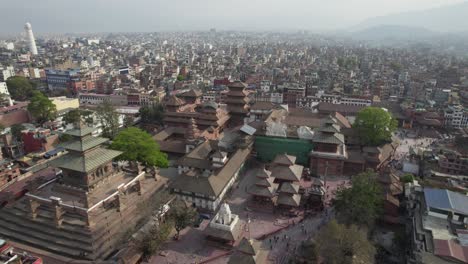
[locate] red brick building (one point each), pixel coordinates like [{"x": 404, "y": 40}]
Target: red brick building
[
  {"x": 15, "y": 114},
  {"x": 38, "y": 140}
]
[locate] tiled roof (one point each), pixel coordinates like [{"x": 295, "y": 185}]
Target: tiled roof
[
  {"x": 249, "y": 246},
  {"x": 291, "y": 173},
  {"x": 174, "y": 101},
  {"x": 336, "y": 138},
  {"x": 263, "y": 173},
  {"x": 192, "y": 93},
  {"x": 329, "y": 129},
  {"x": 263, "y": 191},
  {"x": 284, "y": 159},
  {"x": 344, "y": 122},
  {"x": 288, "y": 187},
  {"x": 214, "y": 184},
  {"x": 239, "y": 257},
  {"x": 329, "y": 108},
  {"x": 265, "y": 182},
  {"x": 237, "y": 84},
  {"x": 289, "y": 200}
]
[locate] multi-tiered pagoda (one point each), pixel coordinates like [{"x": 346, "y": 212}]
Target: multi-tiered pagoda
[
  {"x": 329, "y": 153},
  {"x": 85, "y": 212},
  {"x": 237, "y": 102}
]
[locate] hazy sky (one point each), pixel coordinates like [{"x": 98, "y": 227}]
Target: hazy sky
[{"x": 161, "y": 15}]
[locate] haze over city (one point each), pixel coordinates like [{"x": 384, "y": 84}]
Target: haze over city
[
  {"x": 57, "y": 16},
  {"x": 233, "y": 132}
]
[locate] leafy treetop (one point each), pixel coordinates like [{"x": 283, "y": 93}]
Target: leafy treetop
[
  {"x": 375, "y": 126},
  {"x": 109, "y": 119},
  {"x": 137, "y": 145},
  {"x": 338, "y": 243},
  {"x": 362, "y": 203},
  {"x": 42, "y": 108},
  {"x": 152, "y": 114},
  {"x": 20, "y": 88},
  {"x": 182, "y": 215}
]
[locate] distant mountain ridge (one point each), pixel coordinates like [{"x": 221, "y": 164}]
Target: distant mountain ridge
[
  {"x": 396, "y": 32},
  {"x": 453, "y": 18}
]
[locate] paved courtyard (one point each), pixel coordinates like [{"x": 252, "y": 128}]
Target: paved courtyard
[
  {"x": 410, "y": 139},
  {"x": 193, "y": 247}
]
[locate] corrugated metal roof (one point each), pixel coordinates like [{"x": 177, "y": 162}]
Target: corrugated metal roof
[{"x": 446, "y": 200}]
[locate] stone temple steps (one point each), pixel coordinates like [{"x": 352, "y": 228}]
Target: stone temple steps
[{"x": 15, "y": 225}]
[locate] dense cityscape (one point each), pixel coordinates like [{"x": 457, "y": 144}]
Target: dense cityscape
[{"x": 222, "y": 146}]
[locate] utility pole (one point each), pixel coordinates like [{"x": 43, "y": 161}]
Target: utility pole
[{"x": 325, "y": 176}]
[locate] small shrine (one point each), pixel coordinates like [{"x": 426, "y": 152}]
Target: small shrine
[{"x": 225, "y": 227}]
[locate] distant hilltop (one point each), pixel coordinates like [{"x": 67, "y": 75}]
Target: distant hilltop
[{"x": 451, "y": 18}]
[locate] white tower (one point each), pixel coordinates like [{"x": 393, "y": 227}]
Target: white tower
[{"x": 30, "y": 38}]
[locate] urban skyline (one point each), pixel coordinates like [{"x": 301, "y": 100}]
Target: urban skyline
[{"x": 183, "y": 16}]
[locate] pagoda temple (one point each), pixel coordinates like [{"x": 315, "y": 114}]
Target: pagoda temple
[
  {"x": 184, "y": 112},
  {"x": 289, "y": 195},
  {"x": 85, "y": 212},
  {"x": 329, "y": 153},
  {"x": 264, "y": 188},
  {"x": 237, "y": 102}
]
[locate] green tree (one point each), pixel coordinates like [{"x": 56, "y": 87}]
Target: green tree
[
  {"x": 65, "y": 138},
  {"x": 338, "y": 244},
  {"x": 128, "y": 121},
  {"x": 153, "y": 240},
  {"x": 407, "y": 178},
  {"x": 109, "y": 119},
  {"x": 16, "y": 131},
  {"x": 152, "y": 114},
  {"x": 4, "y": 99},
  {"x": 180, "y": 77},
  {"x": 73, "y": 116},
  {"x": 182, "y": 215},
  {"x": 137, "y": 145},
  {"x": 375, "y": 126},
  {"x": 42, "y": 108},
  {"x": 362, "y": 203},
  {"x": 307, "y": 253},
  {"x": 20, "y": 88}
]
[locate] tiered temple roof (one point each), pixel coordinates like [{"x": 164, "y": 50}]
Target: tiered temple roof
[
  {"x": 284, "y": 169},
  {"x": 238, "y": 102},
  {"x": 264, "y": 186},
  {"x": 248, "y": 251},
  {"x": 329, "y": 133},
  {"x": 289, "y": 195}
]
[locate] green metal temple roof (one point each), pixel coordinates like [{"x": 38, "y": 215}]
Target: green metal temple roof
[
  {"x": 84, "y": 144},
  {"x": 86, "y": 162},
  {"x": 80, "y": 132}
]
